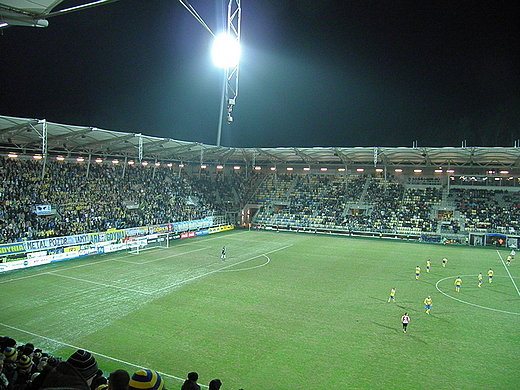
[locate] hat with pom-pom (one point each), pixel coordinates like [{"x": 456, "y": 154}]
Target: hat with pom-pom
[
  {"x": 84, "y": 363},
  {"x": 146, "y": 380},
  {"x": 10, "y": 354},
  {"x": 24, "y": 364}
]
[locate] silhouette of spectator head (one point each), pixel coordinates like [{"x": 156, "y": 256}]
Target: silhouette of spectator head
[
  {"x": 215, "y": 384},
  {"x": 118, "y": 380}
]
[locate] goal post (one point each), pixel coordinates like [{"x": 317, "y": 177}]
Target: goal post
[
  {"x": 158, "y": 240},
  {"x": 151, "y": 241}
]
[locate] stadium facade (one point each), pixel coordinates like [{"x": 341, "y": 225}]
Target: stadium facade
[{"x": 429, "y": 184}]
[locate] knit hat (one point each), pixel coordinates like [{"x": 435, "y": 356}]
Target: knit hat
[
  {"x": 10, "y": 354},
  {"x": 146, "y": 380},
  {"x": 84, "y": 362},
  {"x": 25, "y": 364}
]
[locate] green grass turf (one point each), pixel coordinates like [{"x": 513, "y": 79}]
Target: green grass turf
[{"x": 283, "y": 311}]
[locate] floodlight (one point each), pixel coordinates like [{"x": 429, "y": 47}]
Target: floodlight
[{"x": 226, "y": 51}]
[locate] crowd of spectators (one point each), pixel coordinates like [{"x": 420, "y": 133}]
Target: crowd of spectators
[
  {"x": 24, "y": 367},
  {"x": 355, "y": 203},
  {"x": 362, "y": 203},
  {"x": 493, "y": 210},
  {"x": 313, "y": 193},
  {"x": 92, "y": 198},
  {"x": 96, "y": 197}
]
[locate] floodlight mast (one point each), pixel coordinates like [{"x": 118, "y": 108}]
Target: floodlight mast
[
  {"x": 230, "y": 87},
  {"x": 230, "y": 82}
]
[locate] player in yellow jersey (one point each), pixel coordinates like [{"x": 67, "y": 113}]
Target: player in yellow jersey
[
  {"x": 444, "y": 261},
  {"x": 479, "y": 277},
  {"x": 458, "y": 283},
  {"x": 490, "y": 275},
  {"x": 428, "y": 304},
  {"x": 392, "y": 295},
  {"x": 508, "y": 261},
  {"x": 428, "y": 264},
  {"x": 417, "y": 272}
]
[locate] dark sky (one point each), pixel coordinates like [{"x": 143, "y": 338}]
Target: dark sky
[{"x": 313, "y": 73}]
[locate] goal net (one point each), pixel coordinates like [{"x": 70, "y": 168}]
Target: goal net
[{"x": 152, "y": 241}]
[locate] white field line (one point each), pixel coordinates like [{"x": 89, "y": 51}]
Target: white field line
[
  {"x": 469, "y": 303},
  {"x": 93, "y": 352},
  {"x": 54, "y": 273},
  {"x": 223, "y": 269},
  {"x": 175, "y": 255},
  {"x": 247, "y": 269},
  {"x": 64, "y": 269},
  {"x": 110, "y": 357},
  {"x": 117, "y": 258},
  {"x": 507, "y": 270},
  {"x": 219, "y": 270},
  {"x": 122, "y": 288},
  {"x": 163, "y": 258}
]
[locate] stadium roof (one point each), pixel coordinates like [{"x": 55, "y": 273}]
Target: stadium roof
[
  {"x": 34, "y": 13},
  {"x": 30, "y": 136}
]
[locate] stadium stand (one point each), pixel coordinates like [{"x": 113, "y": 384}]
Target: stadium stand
[{"x": 86, "y": 198}]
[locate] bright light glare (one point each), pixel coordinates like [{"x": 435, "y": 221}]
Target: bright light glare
[{"x": 226, "y": 51}]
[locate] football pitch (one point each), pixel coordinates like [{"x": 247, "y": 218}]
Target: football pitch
[{"x": 282, "y": 311}]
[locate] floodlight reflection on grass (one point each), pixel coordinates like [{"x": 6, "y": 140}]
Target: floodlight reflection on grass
[{"x": 226, "y": 51}]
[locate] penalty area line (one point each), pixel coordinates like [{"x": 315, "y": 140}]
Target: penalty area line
[
  {"x": 218, "y": 270},
  {"x": 250, "y": 268}
]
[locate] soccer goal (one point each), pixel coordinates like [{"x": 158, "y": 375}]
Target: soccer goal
[{"x": 152, "y": 241}]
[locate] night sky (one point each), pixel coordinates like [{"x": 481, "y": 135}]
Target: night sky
[{"x": 313, "y": 73}]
